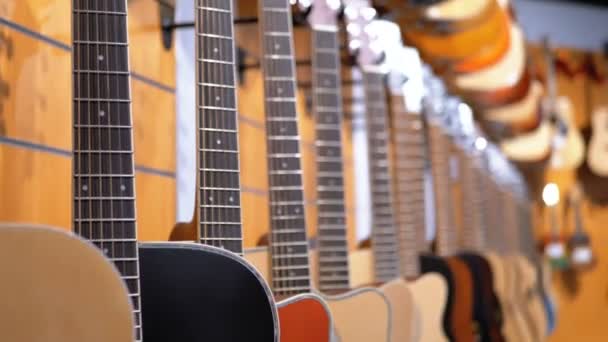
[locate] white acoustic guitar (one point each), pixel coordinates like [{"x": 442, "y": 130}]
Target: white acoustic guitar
[
  {"x": 569, "y": 147},
  {"x": 59, "y": 288},
  {"x": 597, "y": 152}
]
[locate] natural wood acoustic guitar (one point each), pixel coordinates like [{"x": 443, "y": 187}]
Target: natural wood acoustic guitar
[
  {"x": 487, "y": 309},
  {"x": 517, "y": 118},
  {"x": 61, "y": 289},
  {"x": 329, "y": 264},
  {"x": 440, "y": 130},
  {"x": 428, "y": 290},
  {"x": 597, "y": 159},
  {"x": 223, "y": 296},
  {"x": 569, "y": 149}
]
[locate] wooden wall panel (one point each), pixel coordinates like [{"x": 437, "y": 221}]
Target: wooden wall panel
[{"x": 36, "y": 118}]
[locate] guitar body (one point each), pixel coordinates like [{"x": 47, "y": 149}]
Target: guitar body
[
  {"x": 430, "y": 293},
  {"x": 516, "y": 118},
  {"x": 193, "y": 292},
  {"x": 571, "y": 154},
  {"x": 59, "y": 288},
  {"x": 514, "y": 325},
  {"x": 462, "y": 313},
  {"x": 530, "y": 297},
  {"x": 487, "y": 311},
  {"x": 361, "y": 315},
  {"x": 403, "y": 309},
  {"x": 304, "y": 318},
  {"x": 436, "y": 265},
  {"x": 452, "y": 41},
  {"x": 596, "y": 153},
  {"x": 514, "y": 300},
  {"x": 530, "y": 147}
]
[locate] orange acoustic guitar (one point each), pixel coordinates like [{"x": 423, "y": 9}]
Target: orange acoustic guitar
[
  {"x": 303, "y": 315},
  {"x": 457, "y": 32},
  {"x": 506, "y": 81}
]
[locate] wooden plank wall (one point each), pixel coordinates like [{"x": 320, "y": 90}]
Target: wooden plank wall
[{"x": 35, "y": 121}]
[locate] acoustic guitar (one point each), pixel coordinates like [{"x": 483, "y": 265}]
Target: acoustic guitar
[
  {"x": 350, "y": 322},
  {"x": 596, "y": 155},
  {"x": 459, "y": 315},
  {"x": 515, "y": 326},
  {"x": 224, "y": 297},
  {"x": 303, "y": 315},
  {"x": 428, "y": 290},
  {"x": 470, "y": 31},
  {"x": 568, "y": 146},
  {"x": 61, "y": 289},
  {"x": 504, "y": 82},
  {"x": 516, "y": 118},
  {"x": 487, "y": 311}
]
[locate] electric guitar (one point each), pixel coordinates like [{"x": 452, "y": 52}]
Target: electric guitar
[{"x": 223, "y": 296}]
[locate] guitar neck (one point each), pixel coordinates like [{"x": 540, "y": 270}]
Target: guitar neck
[
  {"x": 409, "y": 154},
  {"x": 331, "y": 220},
  {"x": 103, "y": 171},
  {"x": 219, "y": 194},
  {"x": 288, "y": 242},
  {"x": 472, "y": 204},
  {"x": 384, "y": 239},
  {"x": 440, "y": 160}
]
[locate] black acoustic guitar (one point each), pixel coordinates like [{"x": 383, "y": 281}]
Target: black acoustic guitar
[{"x": 189, "y": 292}]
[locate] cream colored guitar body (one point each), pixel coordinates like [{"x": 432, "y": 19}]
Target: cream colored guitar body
[
  {"x": 530, "y": 147},
  {"x": 570, "y": 155},
  {"x": 430, "y": 293},
  {"x": 509, "y": 329},
  {"x": 359, "y": 315},
  {"x": 59, "y": 288},
  {"x": 519, "y": 114},
  {"x": 515, "y": 327},
  {"x": 456, "y": 9},
  {"x": 530, "y": 299},
  {"x": 597, "y": 156}
]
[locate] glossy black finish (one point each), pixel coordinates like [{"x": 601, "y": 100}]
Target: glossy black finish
[
  {"x": 430, "y": 263},
  {"x": 486, "y": 308},
  {"x": 192, "y": 292}
]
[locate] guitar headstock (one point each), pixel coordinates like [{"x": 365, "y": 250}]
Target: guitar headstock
[
  {"x": 324, "y": 13},
  {"x": 363, "y": 39}
]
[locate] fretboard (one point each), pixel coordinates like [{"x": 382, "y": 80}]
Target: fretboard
[
  {"x": 288, "y": 240},
  {"x": 384, "y": 236},
  {"x": 327, "y": 106},
  {"x": 219, "y": 194},
  {"x": 440, "y": 160},
  {"x": 103, "y": 172},
  {"x": 409, "y": 154},
  {"x": 472, "y": 203}
]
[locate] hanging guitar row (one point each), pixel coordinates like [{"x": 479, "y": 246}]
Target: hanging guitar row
[{"x": 480, "y": 280}]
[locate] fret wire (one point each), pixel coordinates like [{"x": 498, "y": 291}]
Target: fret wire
[{"x": 288, "y": 228}]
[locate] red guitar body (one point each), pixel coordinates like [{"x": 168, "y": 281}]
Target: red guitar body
[{"x": 304, "y": 318}]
